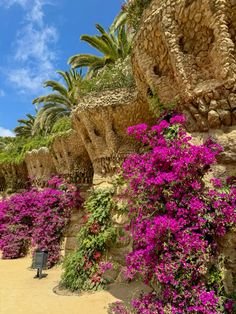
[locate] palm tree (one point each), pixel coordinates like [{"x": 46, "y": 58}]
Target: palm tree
[
  {"x": 60, "y": 102},
  {"x": 113, "y": 47},
  {"x": 119, "y": 21},
  {"x": 25, "y": 129},
  {"x": 130, "y": 15}
]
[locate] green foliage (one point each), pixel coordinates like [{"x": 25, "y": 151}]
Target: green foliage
[
  {"x": 5, "y": 141},
  {"x": 156, "y": 107},
  {"x": 25, "y": 127},
  {"x": 81, "y": 268},
  {"x": 216, "y": 277},
  {"x": 14, "y": 151},
  {"x": 59, "y": 103},
  {"x": 108, "y": 79},
  {"x": 62, "y": 125},
  {"x": 113, "y": 46},
  {"x": 132, "y": 13}
]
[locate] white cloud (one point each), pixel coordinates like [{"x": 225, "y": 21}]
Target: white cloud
[
  {"x": 34, "y": 59},
  {"x": 2, "y": 93},
  {"x": 36, "y": 13},
  {"x": 9, "y": 3},
  {"x": 34, "y": 44},
  {"x": 5, "y": 132}
]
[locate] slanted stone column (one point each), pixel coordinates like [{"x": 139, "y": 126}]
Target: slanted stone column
[
  {"x": 71, "y": 158},
  {"x": 14, "y": 176},
  {"x": 101, "y": 120},
  {"x": 72, "y": 230},
  {"x": 2, "y": 181},
  {"x": 40, "y": 165}
]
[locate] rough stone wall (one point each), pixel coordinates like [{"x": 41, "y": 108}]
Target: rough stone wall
[
  {"x": 226, "y": 163},
  {"x": 2, "y": 181},
  {"x": 227, "y": 246},
  {"x": 71, "y": 158},
  {"x": 185, "y": 52},
  {"x": 13, "y": 176},
  {"x": 40, "y": 165},
  {"x": 72, "y": 230},
  {"x": 120, "y": 249},
  {"x": 101, "y": 120}
]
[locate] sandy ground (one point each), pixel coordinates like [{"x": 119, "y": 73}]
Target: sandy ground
[{"x": 21, "y": 294}]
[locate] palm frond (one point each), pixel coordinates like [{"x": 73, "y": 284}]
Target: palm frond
[
  {"x": 97, "y": 43},
  {"x": 56, "y": 86},
  {"x": 120, "y": 20},
  {"x": 86, "y": 60}
]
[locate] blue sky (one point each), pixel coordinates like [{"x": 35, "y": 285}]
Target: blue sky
[{"x": 36, "y": 38}]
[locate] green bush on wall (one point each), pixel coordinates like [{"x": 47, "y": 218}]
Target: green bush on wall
[
  {"x": 110, "y": 78},
  {"x": 62, "y": 125},
  {"x": 82, "y": 267},
  {"x": 134, "y": 12},
  {"x": 15, "y": 150}
]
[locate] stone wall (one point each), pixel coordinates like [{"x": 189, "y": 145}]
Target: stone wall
[
  {"x": 90, "y": 153},
  {"x": 228, "y": 248},
  {"x": 120, "y": 248},
  {"x": 66, "y": 157},
  {"x": 226, "y": 163},
  {"x": 72, "y": 230},
  {"x": 184, "y": 52}
]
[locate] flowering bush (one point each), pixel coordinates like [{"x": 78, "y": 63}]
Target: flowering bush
[
  {"x": 85, "y": 267},
  {"x": 175, "y": 221},
  {"x": 36, "y": 218}
]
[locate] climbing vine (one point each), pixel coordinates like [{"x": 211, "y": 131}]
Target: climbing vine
[{"x": 84, "y": 268}]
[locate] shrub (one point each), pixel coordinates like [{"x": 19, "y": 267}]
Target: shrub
[
  {"x": 111, "y": 77},
  {"x": 83, "y": 269},
  {"x": 36, "y": 218},
  {"x": 134, "y": 10},
  {"x": 62, "y": 125},
  {"x": 14, "y": 151},
  {"x": 157, "y": 108},
  {"x": 175, "y": 221}
]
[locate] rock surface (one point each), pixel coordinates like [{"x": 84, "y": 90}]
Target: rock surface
[
  {"x": 101, "y": 120},
  {"x": 184, "y": 52}
]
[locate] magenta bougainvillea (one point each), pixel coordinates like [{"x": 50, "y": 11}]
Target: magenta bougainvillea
[
  {"x": 175, "y": 221},
  {"x": 36, "y": 218}
]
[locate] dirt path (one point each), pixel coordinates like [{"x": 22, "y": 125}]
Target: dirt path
[{"x": 21, "y": 294}]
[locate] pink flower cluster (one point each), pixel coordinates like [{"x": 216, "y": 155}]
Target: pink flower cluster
[
  {"x": 175, "y": 219},
  {"x": 35, "y": 218}
]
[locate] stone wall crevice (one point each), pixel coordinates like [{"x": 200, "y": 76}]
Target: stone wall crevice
[{"x": 185, "y": 53}]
